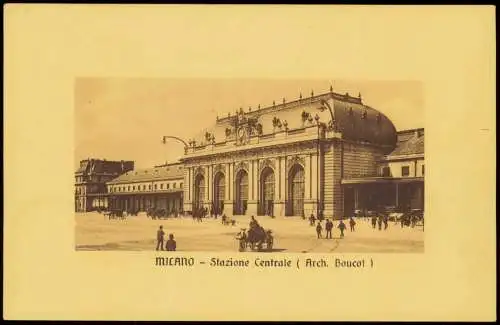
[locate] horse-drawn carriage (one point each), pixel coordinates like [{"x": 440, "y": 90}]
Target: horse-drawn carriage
[
  {"x": 256, "y": 238},
  {"x": 154, "y": 213},
  {"x": 115, "y": 214}
]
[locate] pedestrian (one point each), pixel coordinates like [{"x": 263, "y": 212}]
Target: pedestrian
[
  {"x": 342, "y": 227},
  {"x": 319, "y": 229},
  {"x": 379, "y": 223},
  {"x": 386, "y": 222},
  {"x": 160, "y": 234},
  {"x": 374, "y": 221},
  {"x": 352, "y": 223},
  {"x": 312, "y": 220},
  {"x": 171, "y": 244},
  {"x": 253, "y": 223},
  {"x": 329, "y": 227}
]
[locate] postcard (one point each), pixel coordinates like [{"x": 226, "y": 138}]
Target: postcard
[{"x": 230, "y": 162}]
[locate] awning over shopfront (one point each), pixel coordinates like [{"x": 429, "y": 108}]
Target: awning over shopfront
[{"x": 380, "y": 180}]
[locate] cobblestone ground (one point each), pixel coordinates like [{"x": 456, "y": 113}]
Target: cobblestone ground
[{"x": 293, "y": 235}]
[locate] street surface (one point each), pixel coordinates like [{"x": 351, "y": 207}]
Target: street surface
[{"x": 292, "y": 235}]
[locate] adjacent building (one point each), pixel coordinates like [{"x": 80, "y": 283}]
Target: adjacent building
[
  {"x": 90, "y": 182},
  {"x": 329, "y": 153},
  {"x": 160, "y": 187},
  {"x": 398, "y": 182}
]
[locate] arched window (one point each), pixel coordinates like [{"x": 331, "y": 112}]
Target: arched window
[
  {"x": 266, "y": 202},
  {"x": 241, "y": 192},
  {"x": 219, "y": 192},
  {"x": 296, "y": 188},
  {"x": 199, "y": 191}
]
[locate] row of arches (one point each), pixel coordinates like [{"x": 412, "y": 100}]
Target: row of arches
[{"x": 294, "y": 202}]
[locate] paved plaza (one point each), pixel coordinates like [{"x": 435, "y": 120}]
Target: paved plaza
[{"x": 294, "y": 235}]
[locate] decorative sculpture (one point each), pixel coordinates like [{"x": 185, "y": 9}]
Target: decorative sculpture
[
  {"x": 276, "y": 122},
  {"x": 258, "y": 127},
  {"x": 305, "y": 116}
]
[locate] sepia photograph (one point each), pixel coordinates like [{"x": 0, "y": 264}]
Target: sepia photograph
[{"x": 297, "y": 167}]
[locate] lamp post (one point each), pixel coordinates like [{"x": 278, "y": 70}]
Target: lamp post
[
  {"x": 165, "y": 137},
  {"x": 324, "y": 103}
]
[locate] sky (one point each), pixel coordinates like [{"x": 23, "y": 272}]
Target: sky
[{"x": 126, "y": 119}]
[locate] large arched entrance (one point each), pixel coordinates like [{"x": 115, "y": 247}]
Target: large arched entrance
[
  {"x": 296, "y": 187},
  {"x": 219, "y": 192},
  {"x": 266, "y": 201},
  {"x": 241, "y": 192},
  {"x": 199, "y": 192}
]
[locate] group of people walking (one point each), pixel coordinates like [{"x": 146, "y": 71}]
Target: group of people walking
[
  {"x": 170, "y": 245},
  {"x": 379, "y": 220},
  {"x": 329, "y": 226}
]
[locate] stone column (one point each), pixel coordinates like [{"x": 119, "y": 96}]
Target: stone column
[
  {"x": 228, "y": 200},
  {"x": 309, "y": 206},
  {"x": 187, "y": 204},
  {"x": 208, "y": 184},
  {"x": 252, "y": 190},
  {"x": 280, "y": 185},
  {"x": 356, "y": 198}
]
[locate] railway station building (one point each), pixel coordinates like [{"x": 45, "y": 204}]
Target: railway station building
[{"x": 328, "y": 153}]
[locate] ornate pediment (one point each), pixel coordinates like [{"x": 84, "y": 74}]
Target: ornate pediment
[
  {"x": 199, "y": 171},
  {"x": 266, "y": 163},
  {"x": 296, "y": 160},
  {"x": 243, "y": 128},
  {"x": 241, "y": 165},
  {"x": 219, "y": 169}
]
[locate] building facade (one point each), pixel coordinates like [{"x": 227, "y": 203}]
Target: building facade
[
  {"x": 160, "y": 187},
  {"x": 398, "y": 182},
  {"x": 90, "y": 182},
  {"x": 289, "y": 159}
]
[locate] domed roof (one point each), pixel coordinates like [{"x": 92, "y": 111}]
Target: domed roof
[
  {"x": 359, "y": 122},
  {"x": 354, "y": 120}
]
